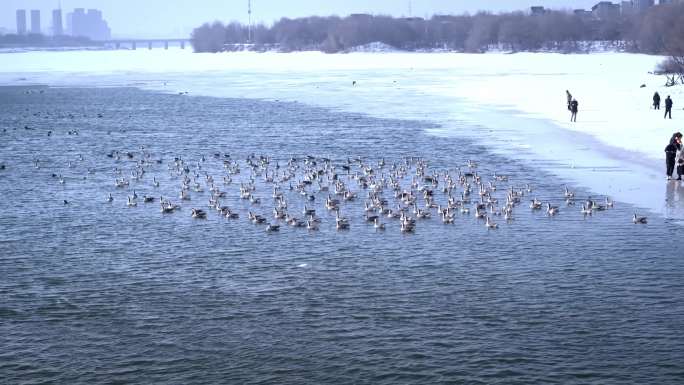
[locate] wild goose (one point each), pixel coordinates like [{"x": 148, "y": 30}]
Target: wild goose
[
  {"x": 311, "y": 225},
  {"x": 551, "y": 210},
  {"x": 639, "y": 220},
  {"x": 598, "y": 207},
  {"x": 408, "y": 227},
  {"x": 199, "y": 214},
  {"x": 342, "y": 225},
  {"x": 568, "y": 193},
  {"x": 585, "y": 211}
]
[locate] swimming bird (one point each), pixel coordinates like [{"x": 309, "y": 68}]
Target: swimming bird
[
  {"x": 639, "y": 220},
  {"x": 568, "y": 193},
  {"x": 342, "y": 225},
  {"x": 199, "y": 214},
  {"x": 110, "y": 198},
  {"x": 272, "y": 228},
  {"x": 490, "y": 224},
  {"x": 551, "y": 210},
  {"x": 598, "y": 207},
  {"x": 311, "y": 225},
  {"x": 408, "y": 227},
  {"x": 609, "y": 202},
  {"x": 535, "y": 204},
  {"x": 585, "y": 211}
]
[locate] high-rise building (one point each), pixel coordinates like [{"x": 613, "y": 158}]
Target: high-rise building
[
  {"x": 627, "y": 8},
  {"x": 88, "y": 24},
  {"x": 605, "y": 10},
  {"x": 35, "y": 21},
  {"x": 642, "y": 5},
  {"x": 537, "y": 10},
  {"x": 21, "y": 22},
  {"x": 57, "y": 26}
]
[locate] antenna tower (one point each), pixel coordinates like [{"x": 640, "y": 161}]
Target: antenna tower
[{"x": 249, "y": 17}]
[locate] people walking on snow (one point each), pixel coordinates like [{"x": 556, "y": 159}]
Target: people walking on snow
[
  {"x": 573, "y": 110},
  {"x": 671, "y": 153},
  {"x": 567, "y": 93},
  {"x": 656, "y": 101},
  {"x": 668, "y": 107}
]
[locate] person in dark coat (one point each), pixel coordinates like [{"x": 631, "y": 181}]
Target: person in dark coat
[
  {"x": 668, "y": 107},
  {"x": 656, "y": 101},
  {"x": 671, "y": 153},
  {"x": 574, "y": 105}
]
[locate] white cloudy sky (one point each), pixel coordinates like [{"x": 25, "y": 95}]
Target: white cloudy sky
[{"x": 167, "y": 18}]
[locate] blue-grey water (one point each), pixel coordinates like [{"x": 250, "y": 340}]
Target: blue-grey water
[{"x": 100, "y": 293}]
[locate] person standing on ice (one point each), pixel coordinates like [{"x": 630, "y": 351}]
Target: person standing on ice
[
  {"x": 671, "y": 153},
  {"x": 668, "y": 107},
  {"x": 567, "y": 93},
  {"x": 656, "y": 101},
  {"x": 573, "y": 110}
]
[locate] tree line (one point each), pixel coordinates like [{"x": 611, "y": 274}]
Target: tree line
[{"x": 657, "y": 31}]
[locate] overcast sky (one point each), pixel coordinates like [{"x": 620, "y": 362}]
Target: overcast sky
[{"x": 177, "y": 18}]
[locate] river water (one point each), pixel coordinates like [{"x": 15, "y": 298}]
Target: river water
[{"x": 95, "y": 292}]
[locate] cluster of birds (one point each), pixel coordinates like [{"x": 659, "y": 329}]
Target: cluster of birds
[{"x": 404, "y": 192}]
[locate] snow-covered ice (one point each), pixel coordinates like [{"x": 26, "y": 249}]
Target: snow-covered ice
[{"x": 515, "y": 103}]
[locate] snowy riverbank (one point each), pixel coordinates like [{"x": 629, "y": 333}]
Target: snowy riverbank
[{"x": 517, "y": 101}]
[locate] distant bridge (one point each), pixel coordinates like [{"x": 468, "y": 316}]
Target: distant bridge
[{"x": 150, "y": 43}]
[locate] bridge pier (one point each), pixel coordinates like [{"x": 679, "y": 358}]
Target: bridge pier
[
  {"x": 118, "y": 45},
  {"x": 149, "y": 45},
  {"x": 166, "y": 45},
  {"x": 183, "y": 44},
  {"x": 133, "y": 46}
]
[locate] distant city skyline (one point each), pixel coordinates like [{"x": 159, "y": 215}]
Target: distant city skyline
[{"x": 156, "y": 18}]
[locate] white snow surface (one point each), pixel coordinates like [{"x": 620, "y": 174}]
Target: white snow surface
[{"x": 513, "y": 103}]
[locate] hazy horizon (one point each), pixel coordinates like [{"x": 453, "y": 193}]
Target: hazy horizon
[{"x": 155, "y": 18}]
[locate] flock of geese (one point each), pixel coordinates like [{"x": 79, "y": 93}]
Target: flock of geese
[{"x": 286, "y": 192}]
